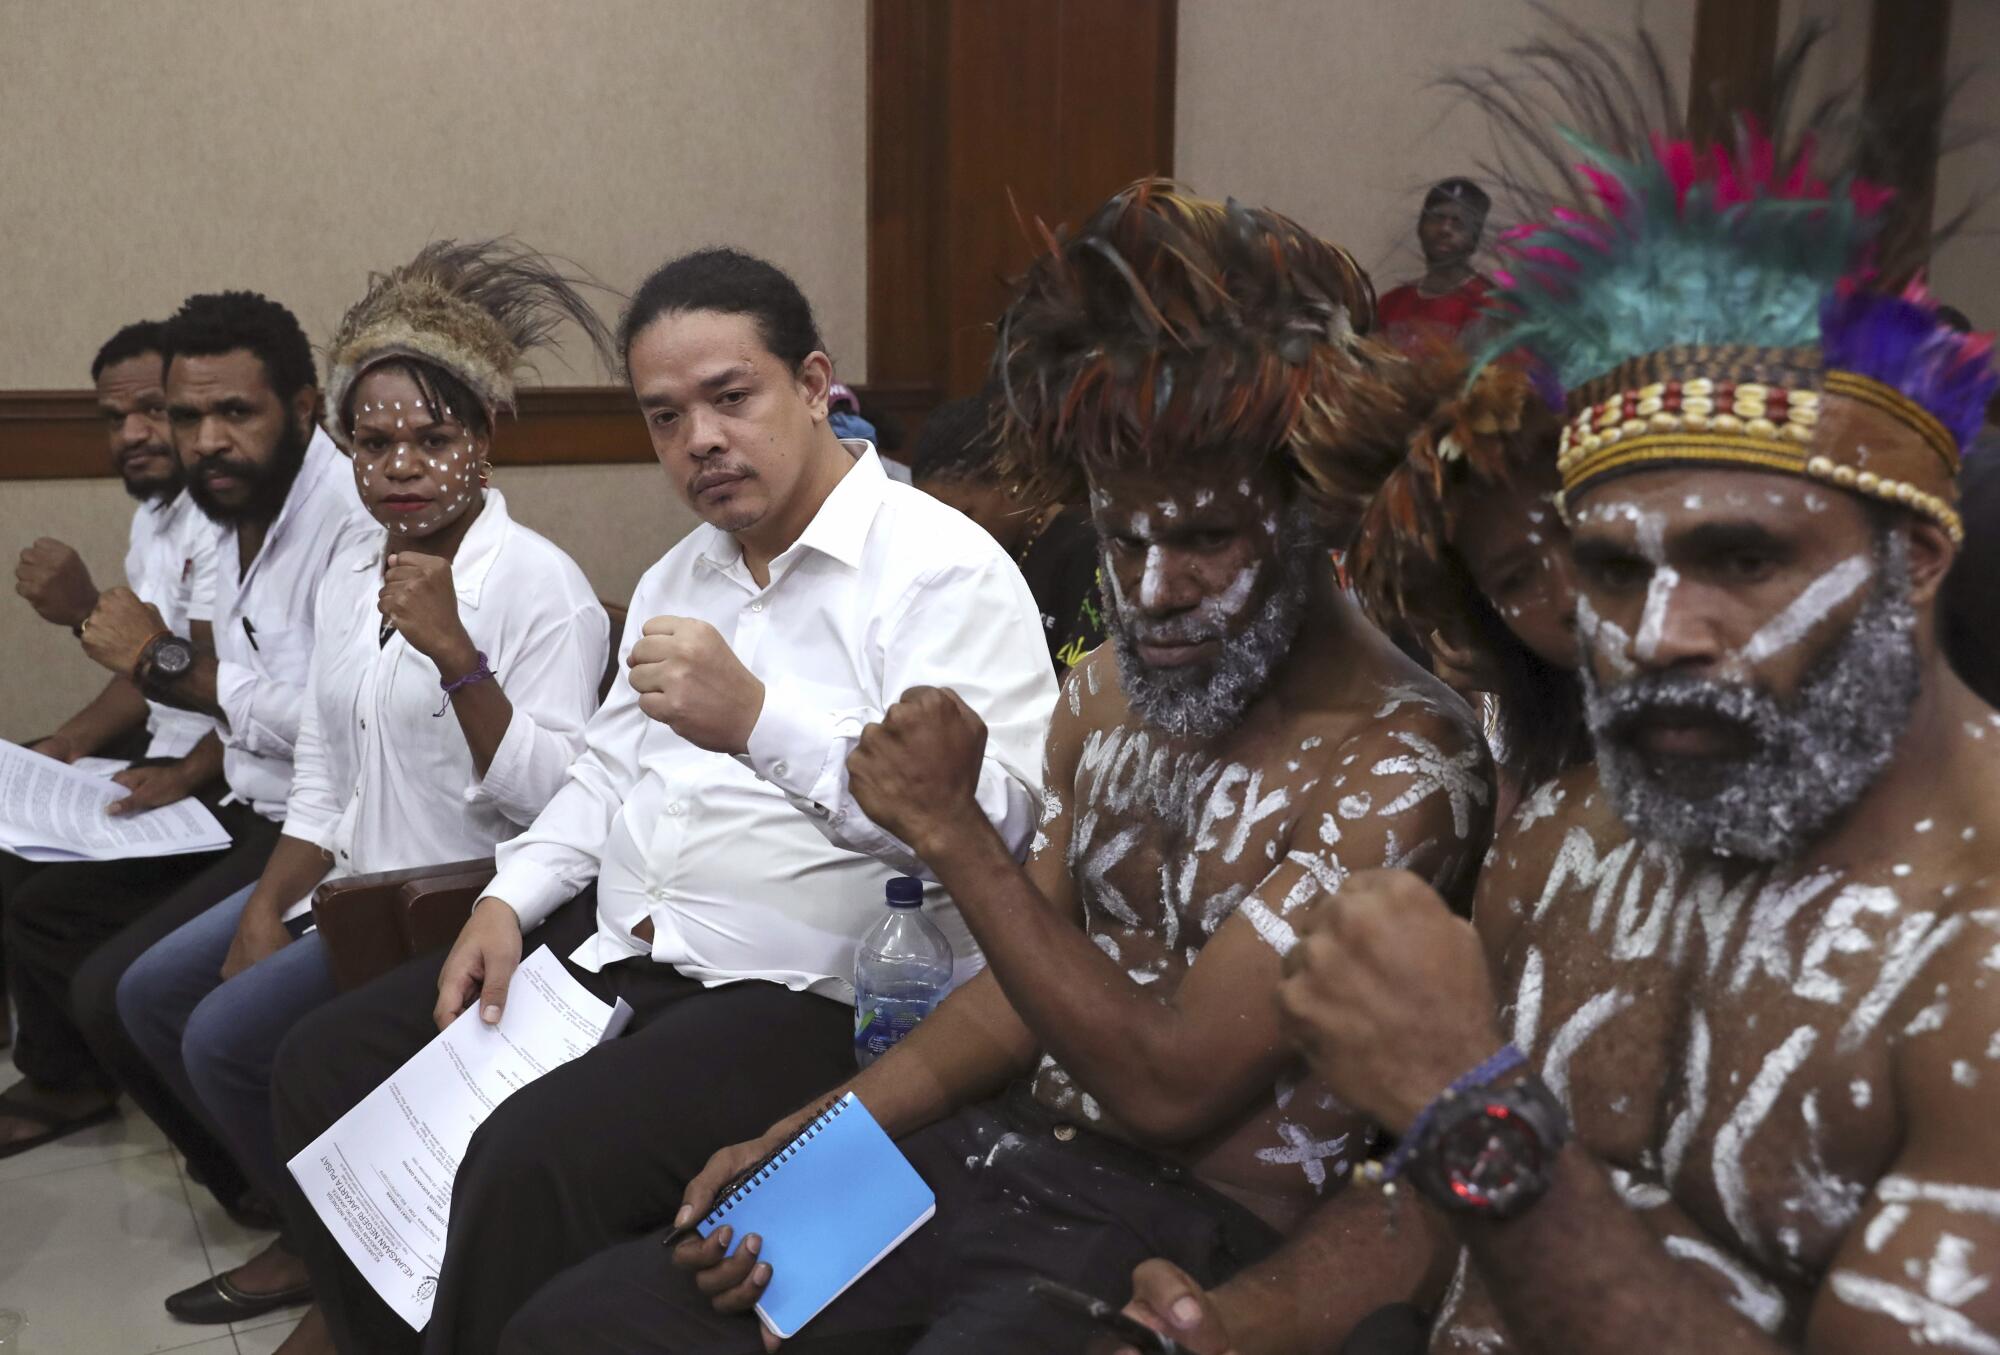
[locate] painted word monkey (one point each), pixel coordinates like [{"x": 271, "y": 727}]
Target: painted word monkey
[{"x": 1741, "y": 975}]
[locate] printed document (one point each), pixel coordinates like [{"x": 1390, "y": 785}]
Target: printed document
[
  {"x": 51, "y": 811},
  {"x": 381, "y": 1177}
]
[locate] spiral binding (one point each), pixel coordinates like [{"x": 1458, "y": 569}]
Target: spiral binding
[{"x": 768, "y": 1168}]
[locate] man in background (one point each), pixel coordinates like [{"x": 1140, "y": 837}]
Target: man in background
[{"x": 1451, "y": 294}]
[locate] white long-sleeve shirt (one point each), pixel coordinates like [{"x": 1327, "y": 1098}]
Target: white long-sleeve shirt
[
  {"x": 263, "y": 619},
  {"x": 381, "y": 781},
  {"x": 762, "y": 866},
  {"x": 169, "y": 561}
]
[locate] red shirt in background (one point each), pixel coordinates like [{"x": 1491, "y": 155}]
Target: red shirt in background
[{"x": 1406, "y": 311}]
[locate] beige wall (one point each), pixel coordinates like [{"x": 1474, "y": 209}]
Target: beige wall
[
  {"x": 155, "y": 150},
  {"x": 1326, "y": 110},
  {"x": 1966, "y": 270}
]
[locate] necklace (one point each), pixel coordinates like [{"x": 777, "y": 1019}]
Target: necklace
[{"x": 1049, "y": 515}]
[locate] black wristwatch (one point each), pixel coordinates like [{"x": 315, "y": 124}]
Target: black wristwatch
[
  {"x": 1491, "y": 1151},
  {"x": 165, "y": 660}
]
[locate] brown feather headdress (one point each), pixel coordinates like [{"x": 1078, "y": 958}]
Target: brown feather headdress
[
  {"x": 1169, "y": 326},
  {"x": 474, "y": 308}
]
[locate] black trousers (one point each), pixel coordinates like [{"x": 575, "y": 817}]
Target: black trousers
[
  {"x": 1014, "y": 1200},
  {"x": 596, "y": 1152},
  {"x": 73, "y": 928},
  {"x": 14, "y": 872}
]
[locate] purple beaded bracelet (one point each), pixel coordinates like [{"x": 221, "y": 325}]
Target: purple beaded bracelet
[{"x": 481, "y": 673}]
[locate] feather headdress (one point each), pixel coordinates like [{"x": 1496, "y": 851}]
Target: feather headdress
[
  {"x": 1172, "y": 327},
  {"x": 474, "y": 308},
  {"x": 1702, "y": 304}
]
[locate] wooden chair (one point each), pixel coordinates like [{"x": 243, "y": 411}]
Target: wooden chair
[{"x": 372, "y": 923}]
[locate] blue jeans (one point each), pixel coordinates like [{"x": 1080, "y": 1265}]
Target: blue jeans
[{"x": 212, "y": 1041}]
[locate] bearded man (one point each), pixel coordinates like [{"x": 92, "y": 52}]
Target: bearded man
[
  {"x": 240, "y": 396},
  {"x": 1117, "y": 1083},
  {"x": 1744, "y": 1093}
]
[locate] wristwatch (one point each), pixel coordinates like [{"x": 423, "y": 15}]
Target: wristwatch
[
  {"x": 164, "y": 659},
  {"x": 1491, "y": 1151}
]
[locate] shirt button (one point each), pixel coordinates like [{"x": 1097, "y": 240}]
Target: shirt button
[
  {"x": 364, "y": 722},
  {"x": 657, "y": 894},
  {"x": 674, "y": 809},
  {"x": 1065, "y": 1132},
  {"x": 780, "y": 769},
  {"x": 756, "y": 606}
]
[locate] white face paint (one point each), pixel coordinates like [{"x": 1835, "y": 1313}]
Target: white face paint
[
  {"x": 1807, "y": 610},
  {"x": 1608, "y": 640}
]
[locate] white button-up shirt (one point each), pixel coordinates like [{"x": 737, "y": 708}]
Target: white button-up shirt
[
  {"x": 263, "y": 619},
  {"x": 169, "y": 563},
  {"x": 763, "y": 866},
  {"x": 381, "y": 780}
]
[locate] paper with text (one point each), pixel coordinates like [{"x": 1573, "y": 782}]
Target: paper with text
[
  {"x": 51, "y": 811},
  {"x": 381, "y": 1177}
]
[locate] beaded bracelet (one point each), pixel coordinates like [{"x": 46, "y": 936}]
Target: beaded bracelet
[
  {"x": 1503, "y": 1061},
  {"x": 480, "y": 673}
]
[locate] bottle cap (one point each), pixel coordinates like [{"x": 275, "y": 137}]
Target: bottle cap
[{"x": 906, "y": 891}]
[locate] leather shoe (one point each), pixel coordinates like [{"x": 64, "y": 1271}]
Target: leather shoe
[{"x": 215, "y": 1301}]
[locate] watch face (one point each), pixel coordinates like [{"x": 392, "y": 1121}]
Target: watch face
[
  {"x": 173, "y": 658},
  {"x": 1492, "y": 1160}
]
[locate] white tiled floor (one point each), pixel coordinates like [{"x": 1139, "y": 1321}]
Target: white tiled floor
[{"x": 98, "y": 1228}]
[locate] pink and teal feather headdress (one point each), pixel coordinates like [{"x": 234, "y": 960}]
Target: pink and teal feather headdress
[{"x": 1719, "y": 305}]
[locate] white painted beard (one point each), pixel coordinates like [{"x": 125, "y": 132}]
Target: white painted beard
[
  {"x": 1202, "y": 701},
  {"x": 1811, "y": 758}
]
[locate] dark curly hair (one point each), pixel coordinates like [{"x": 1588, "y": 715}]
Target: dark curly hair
[
  {"x": 141, "y": 336},
  {"x": 213, "y": 323},
  {"x": 734, "y": 283}
]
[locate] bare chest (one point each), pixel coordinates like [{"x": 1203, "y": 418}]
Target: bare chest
[
  {"x": 1723, "y": 1038},
  {"x": 1165, "y": 843}
]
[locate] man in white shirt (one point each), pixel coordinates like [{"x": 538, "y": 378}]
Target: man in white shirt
[
  {"x": 240, "y": 400},
  {"x": 168, "y": 551},
  {"x": 171, "y": 553},
  {"x": 705, "y": 860}
]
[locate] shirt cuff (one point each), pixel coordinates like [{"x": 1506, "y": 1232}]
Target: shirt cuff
[
  {"x": 309, "y": 830},
  {"x": 505, "y": 784},
  {"x": 531, "y": 890},
  {"x": 791, "y": 742},
  {"x": 235, "y": 690}
]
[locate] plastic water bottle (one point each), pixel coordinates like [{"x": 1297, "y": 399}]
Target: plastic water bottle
[{"x": 901, "y": 970}]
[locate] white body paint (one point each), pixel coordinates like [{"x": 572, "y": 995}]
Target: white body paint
[{"x": 1734, "y": 1137}]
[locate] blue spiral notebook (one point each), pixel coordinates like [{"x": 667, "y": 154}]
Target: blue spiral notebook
[{"x": 829, "y": 1206}]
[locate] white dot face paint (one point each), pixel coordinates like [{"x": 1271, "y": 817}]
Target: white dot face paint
[{"x": 415, "y": 473}]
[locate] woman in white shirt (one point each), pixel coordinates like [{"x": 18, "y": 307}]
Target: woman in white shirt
[{"x": 455, "y": 662}]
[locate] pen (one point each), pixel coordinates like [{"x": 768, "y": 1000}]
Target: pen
[{"x": 250, "y": 631}]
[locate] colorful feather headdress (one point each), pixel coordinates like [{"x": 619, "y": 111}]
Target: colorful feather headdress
[
  {"x": 1710, "y": 305},
  {"x": 473, "y": 308},
  {"x": 1172, "y": 327}
]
